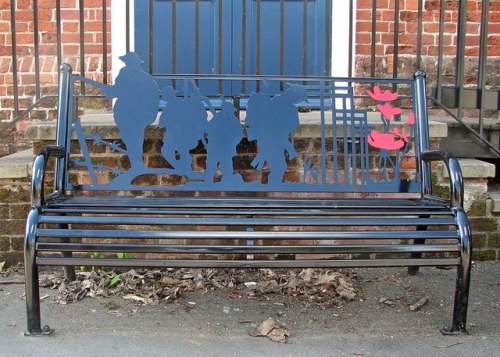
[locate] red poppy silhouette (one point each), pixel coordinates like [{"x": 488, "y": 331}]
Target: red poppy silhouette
[
  {"x": 388, "y": 141},
  {"x": 382, "y": 96},
  {"x": 411, "y": 119},
  {"x": 388, "y": 110}
]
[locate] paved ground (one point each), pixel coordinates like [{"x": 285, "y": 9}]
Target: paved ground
[{"x": 218, "y": 324}]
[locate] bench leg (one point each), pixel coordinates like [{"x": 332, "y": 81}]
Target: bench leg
[
  {"x": 414, "y": 269},
  {"x": 31, "y": 279},
  {"x": 69, "y": 271},
  {"x": 463, "y": 278}
]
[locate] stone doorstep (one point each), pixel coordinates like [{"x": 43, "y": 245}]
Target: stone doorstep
[
  {"x": 494, "y": 198},
  {"x": 472, "y": 169},
  {"x": 103, "y": 124},
  {"x": 19, "y": 166},
  {"x": 16, "y": 166}
]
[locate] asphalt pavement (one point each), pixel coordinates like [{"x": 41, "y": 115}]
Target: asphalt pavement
[{"x": 219, "y": 324}]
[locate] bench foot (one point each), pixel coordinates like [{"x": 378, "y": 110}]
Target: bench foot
[
  {"x": 413, "y": 270},
  {"x": 449, "y": 331},
  {"x": 44, "y": 331},
  {"x": 69, "y": 273}
]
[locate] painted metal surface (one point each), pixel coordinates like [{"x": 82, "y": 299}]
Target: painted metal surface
[
  {"x": 353, "y": 155},
  {"x": 234, "y": 37}
]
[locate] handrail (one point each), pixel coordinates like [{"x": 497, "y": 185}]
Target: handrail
[{"x": 466, "y": 126}]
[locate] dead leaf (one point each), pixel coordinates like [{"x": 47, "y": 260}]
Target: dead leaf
[
  {"x": 346, "y": 290},
  {"x": 266, "y": 287},
  {"x": 327, "y": 278},
  {"x": 137, "y": 299},
  {"x": 2, "y": 264},
  {"x": 273, "y": 330},
  {"x": 307, "y": 274},
  {"x": 167, "y": 280},
  {"x": 268, "y": 272},
  {"x": 386, "y": 301}
]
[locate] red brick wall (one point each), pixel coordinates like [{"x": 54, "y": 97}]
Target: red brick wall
[
  {"x": 408, "y": 29},
  {"x": 93, "y": 61}
]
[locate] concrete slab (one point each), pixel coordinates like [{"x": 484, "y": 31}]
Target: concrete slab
[
  {"x": 17, "y": 165},
  {"x": 473, "y": 168},
  {"x": 219, "y": 323}
]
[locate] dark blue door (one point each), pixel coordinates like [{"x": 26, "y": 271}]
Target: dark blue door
[{"x": 274, "y": 37}]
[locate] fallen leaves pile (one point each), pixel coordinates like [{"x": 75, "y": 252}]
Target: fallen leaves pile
[{"x": 150, "y": 287}]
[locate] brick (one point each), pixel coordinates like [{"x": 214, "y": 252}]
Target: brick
[
  {"x": 432, "y": 5},
  {"x": 409, "y": 16},
  {"x": 483, "y": 255},
  {"x": 362, "y": 38},
  {"x": 494, "y": 241},
  {"x": 4, "y": 4},
  {"x": 4, "y": 244},
  {"x": 12, "y": 258},
  {"x": 483, "y": 224},
  {"x": 5, "y": 65},
  {"x": 17, "y": 244},
  {"x": 4, "y": 212},
  {"x": 479, "y": 240},
  {"x": 477, "y": 209},
  {"x": 70, "y": 26},
  {"x": 12, "y": 227}
]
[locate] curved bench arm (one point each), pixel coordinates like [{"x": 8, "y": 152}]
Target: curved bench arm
[
  {"x": 454, "y": 173},
  {"x": 39, "y": 168}
]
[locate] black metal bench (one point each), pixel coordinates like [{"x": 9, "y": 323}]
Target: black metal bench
[{"x": 249, "y": 191}]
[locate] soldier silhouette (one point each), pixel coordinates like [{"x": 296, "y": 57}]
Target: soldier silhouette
[
  {"x": 272, "y": 123},
  {"x": 185, "y": 120},
  {"x": 136, "y": 105},
  {"x": 224, "y": 133}
]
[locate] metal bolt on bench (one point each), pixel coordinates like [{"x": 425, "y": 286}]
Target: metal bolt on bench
[{"x": 305, "y": 172}]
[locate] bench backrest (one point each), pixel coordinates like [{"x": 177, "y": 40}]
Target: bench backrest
[{"x": 294, "y": 134}]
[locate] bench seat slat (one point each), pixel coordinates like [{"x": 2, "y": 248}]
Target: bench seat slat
[
  {"x": 243, "y": 203},
  {"x": 250, "y": 212},
  {"x": 211, "y": 263},
  {"x": 402, "y": 221},
  {"x": 150, "y": 234},
  {"x": 256, "y": 249}
]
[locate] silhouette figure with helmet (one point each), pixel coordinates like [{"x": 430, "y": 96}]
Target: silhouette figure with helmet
[
  {"x": 185, "y": 121},
  {"x": 272, "y": 122},
  {"x": 224, "y": 133},
  {"x": 137, "y": 97}
]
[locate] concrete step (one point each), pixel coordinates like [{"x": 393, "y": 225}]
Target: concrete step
[
  {"x": 494, "y": 197},
  {"x": 460, "y": 142},
  {"x": 16, "y": 166},
  {"x": 103, "y": 124}
]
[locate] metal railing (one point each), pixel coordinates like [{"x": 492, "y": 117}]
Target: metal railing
[{"x": 450, "y": 92}]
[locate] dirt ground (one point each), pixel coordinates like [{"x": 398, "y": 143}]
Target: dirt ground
[{"x": 378, "y": 322}]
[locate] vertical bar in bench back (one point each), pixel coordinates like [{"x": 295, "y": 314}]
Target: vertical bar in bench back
[
  {"x": 64, "y": 127},
  {"x": 420, "y": 105},
  {"x": 64, "y": 114},
  {"x": 422, "y": 144}
]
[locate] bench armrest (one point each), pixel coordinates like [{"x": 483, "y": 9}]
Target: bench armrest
[
  {"x": 454, "y": 173},
  {"x": 39, "y": 169}
]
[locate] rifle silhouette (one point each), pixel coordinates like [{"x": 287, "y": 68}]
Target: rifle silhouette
[{"x": 106, "y": 89}]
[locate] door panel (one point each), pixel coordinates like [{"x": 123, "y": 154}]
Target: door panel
[{"x": 274, "y": 37}]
